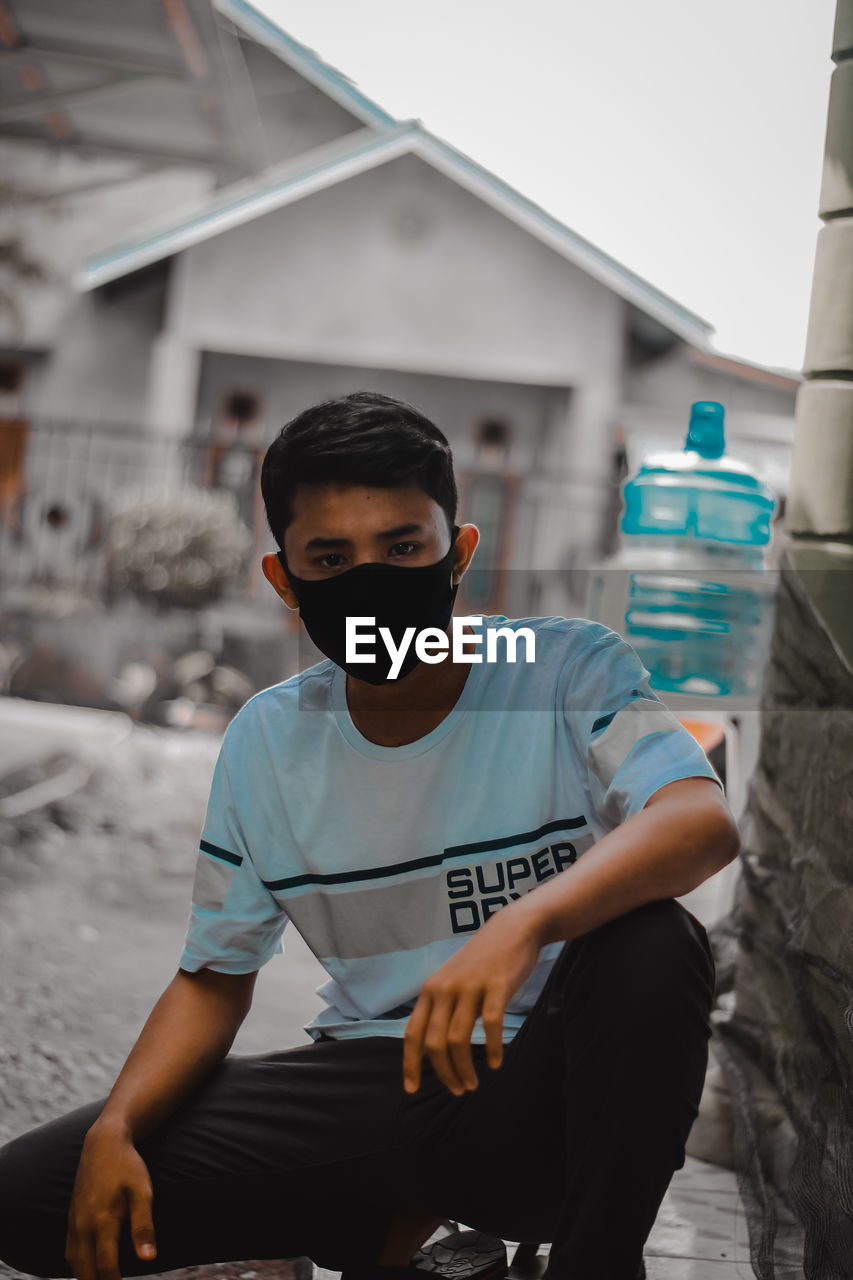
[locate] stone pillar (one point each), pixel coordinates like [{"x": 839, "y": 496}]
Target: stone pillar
[
  {"x": 819, "y": 518},
  {"x": 172, "y": 386},
  {"x": 570, "y": 491}
]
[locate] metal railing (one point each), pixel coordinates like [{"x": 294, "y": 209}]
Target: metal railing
[{"x": 61, "y": 484}]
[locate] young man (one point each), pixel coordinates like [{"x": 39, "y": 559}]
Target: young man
[{"x": 484, "y": 857}]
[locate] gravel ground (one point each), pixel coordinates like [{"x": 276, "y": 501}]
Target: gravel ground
[{"x": 94, "y": 896}]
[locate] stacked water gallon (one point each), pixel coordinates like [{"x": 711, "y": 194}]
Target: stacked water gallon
[{"x": 695, "y": 530}]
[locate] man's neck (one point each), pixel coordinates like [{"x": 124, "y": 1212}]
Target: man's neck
[{"x": 401, "y": 711}]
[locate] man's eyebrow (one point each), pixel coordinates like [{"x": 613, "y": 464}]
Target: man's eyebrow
[{"x": 399, "y": 531}]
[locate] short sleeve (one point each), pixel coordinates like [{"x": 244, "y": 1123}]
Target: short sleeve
[
  {"x": 630, "y": 742},
  {"x": 235, "y": 923}
]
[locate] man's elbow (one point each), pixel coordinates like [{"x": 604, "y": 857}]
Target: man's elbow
[
  {"x": 699, "y": 806},
  {"x": 723, "y": 839},
  {"x": 716, "y": 843}
]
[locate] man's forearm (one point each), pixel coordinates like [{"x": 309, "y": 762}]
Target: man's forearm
[
  {"x": 664, "y": 851},
  {"x": 189, "y": 1030}
]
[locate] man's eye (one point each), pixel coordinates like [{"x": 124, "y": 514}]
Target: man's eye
[
  {"x": 323, "y": 561},
  {"x": 409, "y": 548}
]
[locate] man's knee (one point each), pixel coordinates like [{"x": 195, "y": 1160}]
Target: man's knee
[
  {"x": 36, "y": 1175},
  {"x": 663, "y": 926},
  {"x": 658, "y": 954},
  {"x": 15, "y": 1194}
]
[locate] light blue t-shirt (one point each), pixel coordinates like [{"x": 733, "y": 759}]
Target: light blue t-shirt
[{"x": 387, "y": 859}]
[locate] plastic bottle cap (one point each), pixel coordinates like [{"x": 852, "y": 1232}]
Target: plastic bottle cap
[{"x": 706, "y": 433}]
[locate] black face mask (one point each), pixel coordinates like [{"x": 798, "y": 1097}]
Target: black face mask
[{"x": 395, "y": 596}]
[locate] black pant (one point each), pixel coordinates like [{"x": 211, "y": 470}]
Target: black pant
[{"x": 308, "y": 1151}]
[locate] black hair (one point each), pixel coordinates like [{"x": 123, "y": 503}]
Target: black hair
[{"x": 363, "y": 438}]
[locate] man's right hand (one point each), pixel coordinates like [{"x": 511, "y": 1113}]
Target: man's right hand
[
  {"x": 112, "y": 1185},
  {"x": 188, "y": 1032}
]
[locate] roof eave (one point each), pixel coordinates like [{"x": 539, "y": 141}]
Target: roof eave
[
  {"x": 749, "y": 370},
  {"x": 323, "y": 167}
]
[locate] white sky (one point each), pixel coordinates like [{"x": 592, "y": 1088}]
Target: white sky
[{"x": 684, "y": 138}]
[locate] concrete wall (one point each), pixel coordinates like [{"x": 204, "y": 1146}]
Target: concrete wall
[
  {"x": 674, "y": 379},
  {"x": 98, "y": 369}
]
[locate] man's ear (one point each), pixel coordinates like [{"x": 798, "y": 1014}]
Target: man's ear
[
  {"x": 275, "y": 574},
  {"x": 466, "y": 544}
]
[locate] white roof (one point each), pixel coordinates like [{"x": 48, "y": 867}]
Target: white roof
[
  {"x": 356, "y": 153},
  {"x": 381, "y": 140}
]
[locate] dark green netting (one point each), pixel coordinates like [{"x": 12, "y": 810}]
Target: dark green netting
[{"x": 784, "y": 1021}]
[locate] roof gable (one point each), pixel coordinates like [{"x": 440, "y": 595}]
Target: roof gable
[{"x": 334, "y": 163}]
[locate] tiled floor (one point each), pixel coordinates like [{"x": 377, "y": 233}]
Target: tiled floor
[{"x": 700, "y": 1233}]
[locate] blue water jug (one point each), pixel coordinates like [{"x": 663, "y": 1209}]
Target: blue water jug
[{"x": 695, "y": 528}]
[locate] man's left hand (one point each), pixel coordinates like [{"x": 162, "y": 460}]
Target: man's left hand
[
  {"x": 478, "y": 981},
  {"x": 683, "y": 834}
]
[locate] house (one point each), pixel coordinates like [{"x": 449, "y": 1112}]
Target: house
[{"x": 358, "y": 251}]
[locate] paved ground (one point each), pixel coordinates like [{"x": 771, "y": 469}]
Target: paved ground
[
  {"x": 33, "y": 733},
  {"x": 94, "y": 894}
]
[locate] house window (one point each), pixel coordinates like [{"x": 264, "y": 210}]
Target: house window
[
  {"x": 13, "y": 443},
  {"x": 233, "y": 462},
  {"x": 493, "y": 439}
]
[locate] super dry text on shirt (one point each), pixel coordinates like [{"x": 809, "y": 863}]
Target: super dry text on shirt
[{"x": 481, "y": 891}]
